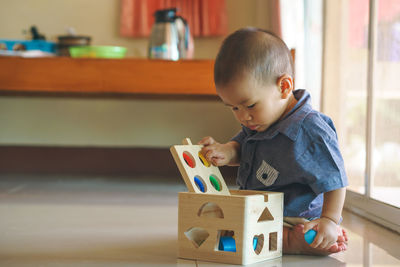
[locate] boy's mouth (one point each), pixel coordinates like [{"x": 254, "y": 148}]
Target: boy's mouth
[{"x": 253, "y": 127}]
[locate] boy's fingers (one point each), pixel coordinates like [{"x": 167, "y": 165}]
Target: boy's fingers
[
  {"x": 202, "y": 141},
  {"x": 218, "y": 161},
  {"x": 341, "y": 239},
  {"x": 211, "y": 155},
  {"x": 330, "y": 244},
  {"x": 343, "y": 233},
  {"x": 215, "y": 162},
  {"x": 324, "y": 244},
  {"x": 204, "y": 150},
  {"x": 208, "y": 152},
  {"x": 215, "y": 157},
  {"x": 308, "y": 226},
  {"x": 206, "y": 141},
  {"x": 317, "y": 241}
]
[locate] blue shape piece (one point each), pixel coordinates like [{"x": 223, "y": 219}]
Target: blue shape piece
[
  {"x": 310, "y": 235},
  {"x": 255, "y": 241},
  {"x": 200, "y": 184},
  {"x": 227, "y": 243}
]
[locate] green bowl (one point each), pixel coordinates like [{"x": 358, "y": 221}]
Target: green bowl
[{"x": 97, "y": 51}]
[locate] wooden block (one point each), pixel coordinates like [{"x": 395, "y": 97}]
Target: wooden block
[
  {"x": 205, "y": 219},
  {"x": 198, "y": 174}
]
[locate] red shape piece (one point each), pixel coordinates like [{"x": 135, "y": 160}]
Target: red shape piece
[{"x": 188, "y": 160}]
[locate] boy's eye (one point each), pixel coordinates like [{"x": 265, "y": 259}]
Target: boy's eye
[
  {"x": 251, "y": 106},
  {"x": 235, "y": 108}
]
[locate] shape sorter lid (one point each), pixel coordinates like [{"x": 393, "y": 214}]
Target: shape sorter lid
[{"x": 199, "y": 175}]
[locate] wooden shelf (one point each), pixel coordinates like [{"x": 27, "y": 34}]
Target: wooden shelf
[{"x": 63, "y": 75}]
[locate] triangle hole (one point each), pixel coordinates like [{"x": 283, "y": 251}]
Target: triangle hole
[{"x": 265, "y": 216}]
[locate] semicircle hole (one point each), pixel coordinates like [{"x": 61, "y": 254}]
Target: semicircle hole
[{"x": 211, "y": 210}]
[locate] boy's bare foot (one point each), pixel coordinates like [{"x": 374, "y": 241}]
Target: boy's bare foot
[{"x": 294, "y": 243}]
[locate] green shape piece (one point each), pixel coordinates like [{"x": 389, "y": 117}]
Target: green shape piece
[{"x": 215, "y": 183}]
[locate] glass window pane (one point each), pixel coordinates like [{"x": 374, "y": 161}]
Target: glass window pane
[
  {"x": 386, "y": 150},
  {"x": 353, "y": 75}
]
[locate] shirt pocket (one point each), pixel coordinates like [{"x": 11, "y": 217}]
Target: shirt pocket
[{"x": 267, "y": 174}]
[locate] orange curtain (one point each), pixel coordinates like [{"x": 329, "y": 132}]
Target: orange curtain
[
  {"x": 204, "y": 17},
  {"x": 275, "y": 17}
]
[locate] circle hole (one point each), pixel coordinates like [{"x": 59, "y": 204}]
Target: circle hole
[
  {"x": 189, "y": 159},
  {"x": 203, "y": 160},
  {"x": 216, "y": 183},
  {"x": 201, "y": 185}
]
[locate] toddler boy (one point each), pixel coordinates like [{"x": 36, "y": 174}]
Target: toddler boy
[{"x": 284, "y": 144}]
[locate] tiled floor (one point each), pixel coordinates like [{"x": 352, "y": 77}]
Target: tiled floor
[{"x": 103, "y": 221}]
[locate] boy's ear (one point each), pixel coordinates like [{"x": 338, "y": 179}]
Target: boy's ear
[{"x": 285, "y": 85}]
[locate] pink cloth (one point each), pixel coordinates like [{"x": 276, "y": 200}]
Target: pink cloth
[{"x": 204, "y": 17}]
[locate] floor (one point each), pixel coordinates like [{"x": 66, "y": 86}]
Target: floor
[{"x": 53, "y": 220}]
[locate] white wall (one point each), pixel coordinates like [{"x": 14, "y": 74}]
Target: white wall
[{"x": 110, "y": 122}]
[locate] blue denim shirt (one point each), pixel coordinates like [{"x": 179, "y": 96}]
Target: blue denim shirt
[{"x": 298, "y": 155}]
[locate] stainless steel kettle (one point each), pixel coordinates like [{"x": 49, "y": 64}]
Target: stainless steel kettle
[{"x": 170, "y": 36}]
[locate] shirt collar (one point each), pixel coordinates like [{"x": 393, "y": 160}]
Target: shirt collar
[{"x": 289, "y": 125}]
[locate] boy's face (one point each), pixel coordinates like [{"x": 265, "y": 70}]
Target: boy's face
[{"x": 254, "y": 105}]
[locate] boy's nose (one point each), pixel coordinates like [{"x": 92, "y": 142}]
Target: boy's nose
[{"x": 245, "y": 116}]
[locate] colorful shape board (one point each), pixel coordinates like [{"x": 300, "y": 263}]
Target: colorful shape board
[{"x": 199, "y": 175}]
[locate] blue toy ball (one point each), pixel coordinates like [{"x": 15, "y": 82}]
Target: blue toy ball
[{"x": 310, "y": 236}]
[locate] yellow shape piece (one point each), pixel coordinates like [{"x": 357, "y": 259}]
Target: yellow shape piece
[{"x": 203, "y": 159}]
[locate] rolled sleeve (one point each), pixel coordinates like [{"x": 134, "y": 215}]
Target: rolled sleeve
[{"x": 322, "y": 161}]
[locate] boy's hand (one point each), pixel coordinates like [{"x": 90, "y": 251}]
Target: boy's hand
[
  {"x": 327, "y": 232},
  {"x": 216, "y": 153}
]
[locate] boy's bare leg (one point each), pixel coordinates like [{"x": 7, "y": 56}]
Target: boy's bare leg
[{"x": 294, "y": 243}]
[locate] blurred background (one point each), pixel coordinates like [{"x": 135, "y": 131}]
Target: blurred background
[{"x": 346, "y": 55}]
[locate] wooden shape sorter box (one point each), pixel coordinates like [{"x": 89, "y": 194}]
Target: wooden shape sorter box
[{"x": 221, "y": 225}]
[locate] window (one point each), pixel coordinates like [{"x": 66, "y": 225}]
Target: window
[
  {"x": 361, "y": 93},
  {"x": 301, "y": 23}
]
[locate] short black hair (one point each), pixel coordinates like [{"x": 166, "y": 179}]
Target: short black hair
[{"x": 255, "y": 51}]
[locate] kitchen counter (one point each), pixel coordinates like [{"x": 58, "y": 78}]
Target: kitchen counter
[{"x": 106, "y": 77}]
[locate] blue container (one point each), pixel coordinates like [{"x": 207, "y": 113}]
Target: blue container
[{"x": 42, "y": 45}]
